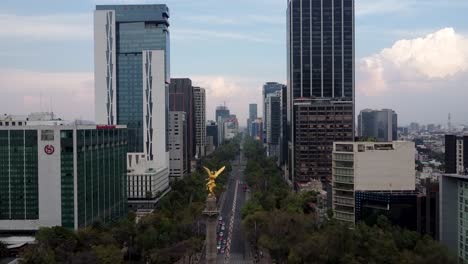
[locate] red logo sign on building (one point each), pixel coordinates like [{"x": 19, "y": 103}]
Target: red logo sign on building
[{"x": 49, "y": 149}]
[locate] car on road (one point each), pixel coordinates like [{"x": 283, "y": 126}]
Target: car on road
[
  {"x": 221, "y": 234},
  {"x": 220, "y": 219},
  {"x": 222, "y": 251},
  {"x": 224, "y": 241},
  {"x": 223, "y": 227}
]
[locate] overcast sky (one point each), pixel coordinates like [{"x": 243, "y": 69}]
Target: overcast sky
[{"x": 411, "y": 55}]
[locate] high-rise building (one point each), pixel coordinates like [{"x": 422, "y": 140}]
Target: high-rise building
[
  {"x": 273, "y": 121},
  {"x": 231, "y": 128},
  {"x": 222, "y": 114},
  {"x": 268, "y": 88},
  {"x": 453, "y": 216},
  {"x": 253, "y": 114},
  {"x": 132, "y": 75},
  {"x": 200, "y": 121},
  {"x": 178, "y": 166},
  {"x": 456, "y": 154},
  {"x": 181, "y": 99},
  {"x": 369, "y": 167},
  {"x": 56, "y": 173},
  {"x": 257, "y": 129},
  {"x": 320, "y": 52},
  {"x": 380, "y": 125},
  {"x": 222, "y": 111},
  {"x": 212, "y": 133},
  {"x": 284, "y": 131}
]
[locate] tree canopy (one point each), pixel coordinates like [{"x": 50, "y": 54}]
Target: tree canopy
[
  {"x": 173, "y": 231},
  {"x": 278, "y": 220}
]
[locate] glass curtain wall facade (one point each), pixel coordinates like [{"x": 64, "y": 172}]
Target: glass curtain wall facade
[
  {"x": 137, "y": 28},
  {"x": 90, "y": 162},
  {"x": 102, "y": 175},
  {"x": 378, "y": 124},
  {"x": 19, "y": 198},
  {"x": 320, "y": 50}
]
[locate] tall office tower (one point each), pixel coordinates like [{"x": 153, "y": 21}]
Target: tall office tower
[
  {"x": 453, "y": 218},
  {"x": 257, "y": 129},
  {"x": 231, "y": 128},
  {"x": 456, "y": 154},
  {"x": 369, "y": 167},
  {"x": 273, "y": 120},
  {"x": 378, "y": 124},
  {"x": 56, "y": 173},
  {"x": 222, "y": 111},
  {"x": 222, "y": 114},
  {"x": 268, "y": 88},
  {"x": 132, "y": 75},
  {"x": 284, "y": 129},
  {"x": 320, "y": 43},
  {"x": 253, "y": 114},
  {"x": 200, "y": 121},
  {"x": 212, "y": 131},
  {"x": 181, "y": 99},
  {"x": 178, "y": 166}
]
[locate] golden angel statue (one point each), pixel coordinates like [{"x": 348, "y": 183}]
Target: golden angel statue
[{"x": 212, "y": 175}]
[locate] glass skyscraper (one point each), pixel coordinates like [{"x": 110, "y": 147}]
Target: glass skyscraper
[
  {"x": 130, "y": 30},
  {"x": 380, "y": 125},
  {"x": 320, "y": 43},
  {"x": 132, "y": 76}
]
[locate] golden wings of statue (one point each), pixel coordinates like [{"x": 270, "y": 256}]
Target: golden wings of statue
[{"x": 212, "y": 175}]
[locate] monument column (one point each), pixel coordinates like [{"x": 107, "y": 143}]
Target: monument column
[{"x": 211, "y": 215}]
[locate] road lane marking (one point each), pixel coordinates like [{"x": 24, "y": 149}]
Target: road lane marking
[{"x": 231, "y": 224}]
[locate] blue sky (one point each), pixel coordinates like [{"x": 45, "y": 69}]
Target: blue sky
[{"x": 232, "y": 47}]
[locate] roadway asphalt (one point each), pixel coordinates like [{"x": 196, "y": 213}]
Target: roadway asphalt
[{"x": 237, "y": 249}]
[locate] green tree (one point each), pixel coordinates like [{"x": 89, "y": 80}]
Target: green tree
[
  {"x": 3, "y": 250},
  {"x": 108, "y": 254},
  {"x": 37, "y": 254}
]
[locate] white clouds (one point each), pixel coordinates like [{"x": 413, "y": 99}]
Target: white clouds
[
  {"x": 414, "y": 63},
  {"x": 71, "y": 93},
  {"x": 237, "y": 92},
  {"x": 438, "y": 55},
  {"x": 423, "y": 79},
  {"x": 47, "y": 27}
]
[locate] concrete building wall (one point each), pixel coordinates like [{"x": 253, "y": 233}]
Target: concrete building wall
[
  {"x": 177, "y": 144},
  {"x": 385, "y": 170},
  {"x": 154, "y": 108},
  {"x": 200, "y": 121},
  {"x": 449, "y": 211},
  {"x": 105, "y": 97}
]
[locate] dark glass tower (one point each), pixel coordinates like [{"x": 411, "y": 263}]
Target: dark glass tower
[{"x": 320, "y": 36}]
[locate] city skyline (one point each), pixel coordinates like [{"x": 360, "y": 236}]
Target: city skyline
[{"x": 390, "y": 73}]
